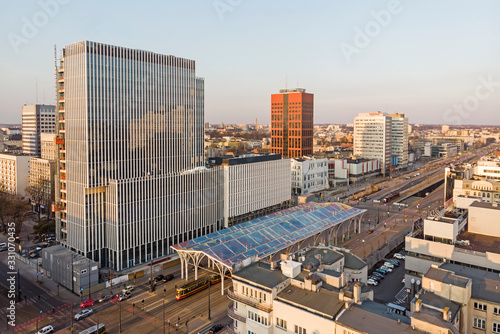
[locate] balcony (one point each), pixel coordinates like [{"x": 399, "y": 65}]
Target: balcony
[
  {"x": 61, "y": 78},
  {"x": 248, "y": 301},
  {"x": 233, "y": 315}
]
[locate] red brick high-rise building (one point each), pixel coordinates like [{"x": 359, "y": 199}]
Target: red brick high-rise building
[{"x": 292, "y": 113}]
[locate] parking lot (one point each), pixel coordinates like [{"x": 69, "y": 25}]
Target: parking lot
[{"x": 391, "y": 289}]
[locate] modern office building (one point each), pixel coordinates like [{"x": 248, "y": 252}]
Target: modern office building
[
  {"x": 372, "y": 138},
  {"x": 36, "y": 119},
  {"x": 342, "y": 172},
  {"x": 292, "y": 118},
  {"x": 131, "y": 156},
  {"x": 309, "y": 175},
  {"x": 14, "y": 173},
  {"x": 254, "y": 185},
  {"x": 399, "y": 140}
]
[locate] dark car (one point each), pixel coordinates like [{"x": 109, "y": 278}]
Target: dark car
[
  {"x": 216, "y": 328},
  {"x": 159, "y": 278},
  {"x": 169, "y": 277}
]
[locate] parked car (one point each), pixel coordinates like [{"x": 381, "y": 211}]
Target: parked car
[
  {"x": 399, "y": 256},
  {"x": 46, "y": 330},
  {"x": 389, "y": 270},
  {"x": 388, "y": 264},
  {"x": 159, "y": 278},
  {"x": 381, "y": 271},
  {"x": 169, "y": 277},
  {"x": 377, "y": 274},
  {"x": 3, "y": 247},
  {"x": 372, "y": 282},
  {"x": 105, "y": 298},
  {"x": 88, "y": 302},
  {"x": 83, "y": 314},
  {"x": 394, "y": 262},
  {"x": 215, "y": 329},
  {"x": 375, "y": 278}
]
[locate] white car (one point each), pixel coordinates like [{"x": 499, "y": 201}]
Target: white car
[
  {"x": 46, "y": 329},
  {"x": 388, "y": 264},
  {"x": 372, "y": 282},
  {"x": 83, "y": 314},
  {"x": 399, "y": 256},
  {"x": 389, "y": 270}
]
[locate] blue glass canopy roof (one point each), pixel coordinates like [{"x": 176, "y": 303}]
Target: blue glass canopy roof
[{"x": 268, "y": 235}]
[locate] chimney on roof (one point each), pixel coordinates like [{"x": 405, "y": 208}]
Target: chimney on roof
[
  {"x": 418, "y": 305},
  {"x": 356, "y": 291}
]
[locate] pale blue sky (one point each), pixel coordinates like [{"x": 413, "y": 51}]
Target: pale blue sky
[{"x": 428, "y": 58}]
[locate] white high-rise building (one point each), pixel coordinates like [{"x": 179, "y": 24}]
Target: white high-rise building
[
  {"x": 36, "y": 119},
  {"x": 383, "y": 137},
  {"x": 131, "y": 158},
  {"x": 372, "y": 138},
  {"x": 399, "y": 140},
  {"x": 14, "y": 173}
]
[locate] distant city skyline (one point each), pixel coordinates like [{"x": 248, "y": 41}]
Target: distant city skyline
[{"x": 436, "y": 62}]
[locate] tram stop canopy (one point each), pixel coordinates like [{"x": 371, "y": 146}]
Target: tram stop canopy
[{"x": 240, "y": 245}]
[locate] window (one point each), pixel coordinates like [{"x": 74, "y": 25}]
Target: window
[
  {"x": 496, "y": 327},
  {"x": 479, "y": 323},
  {"x": 299, "y": 330},
  {"x": 280, "y": 323},
  {"x": 496, "y": 310},
  {"x": 479, "y": 306}
]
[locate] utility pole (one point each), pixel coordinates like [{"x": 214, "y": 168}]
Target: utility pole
[{"x": 151, "y": 276}]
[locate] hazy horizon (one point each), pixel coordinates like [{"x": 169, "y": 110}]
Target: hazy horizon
[{"x": 438, "y": 63}]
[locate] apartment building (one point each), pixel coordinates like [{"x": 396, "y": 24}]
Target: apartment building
[
  {"x": 254, "y": 185},
  {"x": 399, "y": 140},
  {"x": 292, "y": 119},
  {"x": 133, "y": 162},
  {"x": 303, "y": 293},
  {"x": 372, "y": 138},
  {"x": 484, "y": 190},
  {"x": 14, "y": 173},
  {"x": 36, "y": 119},
  {"x": 309, "y": 175}
]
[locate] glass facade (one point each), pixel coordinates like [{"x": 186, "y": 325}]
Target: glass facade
[{"x": 133, "y": 124}]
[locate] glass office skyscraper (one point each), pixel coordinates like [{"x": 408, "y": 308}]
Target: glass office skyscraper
[{"x": 131, "y": 138}]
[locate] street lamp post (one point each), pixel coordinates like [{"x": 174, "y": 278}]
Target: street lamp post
[{"x": 164, "y": 291}]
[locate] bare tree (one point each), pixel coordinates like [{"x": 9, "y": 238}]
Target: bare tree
[{"x": 40, "y": 191}]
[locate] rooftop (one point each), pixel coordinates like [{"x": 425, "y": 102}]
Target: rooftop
[
  {"x": 363, "y": 317},
  {"x": 431, "y": 299},
  {"x": 352, "y": 261},
  {"x": 446, "y": 276},
  {"x": 268, "y": 235},
  {"x": 485, "y": 284},
  {"x": 479, "y": 242},
  {"x": 260, "y": 273},
  {"x": 485, "y": 205},
  {"x": 323, "y": 302}
]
